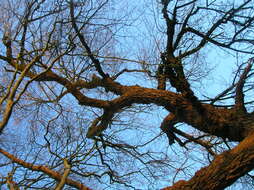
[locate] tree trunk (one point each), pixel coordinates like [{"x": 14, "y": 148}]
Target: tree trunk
[{"x": 224, "y": 170}]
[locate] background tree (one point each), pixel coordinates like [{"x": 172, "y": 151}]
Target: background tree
[{"x": 104, "y": 94}]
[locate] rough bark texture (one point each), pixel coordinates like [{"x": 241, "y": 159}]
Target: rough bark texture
[
  {"x": 224, "y": 170},
  {"x": 75, "y": 68}
]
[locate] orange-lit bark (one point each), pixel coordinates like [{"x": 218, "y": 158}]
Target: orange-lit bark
[
  {"x": 182, "y": 104},
  {"x": 53, "y": 174},
  {"x": 224, "y": 170}
]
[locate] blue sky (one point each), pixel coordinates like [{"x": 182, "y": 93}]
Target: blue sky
[{"x": 137, "y": 42}]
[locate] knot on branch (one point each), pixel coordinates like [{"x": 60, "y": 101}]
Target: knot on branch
[
  {"x": 94, "y": 129},
  {"x": 7, "y": 42},
  {"x": 165, "y": 2},
  {"x": 167, "y": 127},
  {"x": 172, "y": 69},
  {"x": 100, "y": 124}
]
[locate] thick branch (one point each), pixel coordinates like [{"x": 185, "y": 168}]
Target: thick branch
[
  {"x": 211, "y": 120},
  {"x": 170, "y": 25},
  {"x": 239, "y": 97},
  {"x": 225, "y": 169},
  {"x": 215, "y": 121},
  {"x": 173, "y": 68},
  {"x": 73, "y": 89},
  {"x": 161, "y": 78},
  {"x": 166, "y": 126},
  {"x": 53, "y": 174}
]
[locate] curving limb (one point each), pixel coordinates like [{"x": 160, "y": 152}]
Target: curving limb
[
  {"x": 224, "y": 170},
  {"x": 166, "y": 126},
  {"x": 239, "y": 95},
  {"x": 39, "y": 168}
]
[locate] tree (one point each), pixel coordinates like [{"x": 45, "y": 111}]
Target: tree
[{"x": 83, "y": 81}]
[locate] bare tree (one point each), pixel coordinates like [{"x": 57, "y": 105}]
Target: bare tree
[{"x": 105, "y": 94}]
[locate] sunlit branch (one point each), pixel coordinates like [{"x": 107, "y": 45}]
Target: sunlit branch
[
  {"x": 40, "y": 168},
  {"x": 67, "y": 169},
  {"x": 239, "y": 97}
]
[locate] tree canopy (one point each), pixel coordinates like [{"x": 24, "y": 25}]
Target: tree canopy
[{"x": 104, "y": 94}]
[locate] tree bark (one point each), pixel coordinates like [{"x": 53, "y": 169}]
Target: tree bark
[
  {"x": 224, "y": 170},
  {"x": 53, "y": 174}
]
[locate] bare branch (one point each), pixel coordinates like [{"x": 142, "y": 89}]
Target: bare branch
[
  {"x": 239, "y": 97},
  {"x": 96, "y": 62},
  {"x": 167, "y": 125},
  {"x": 67, "y": 169},
  {"x": 55, "y": 175}
]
